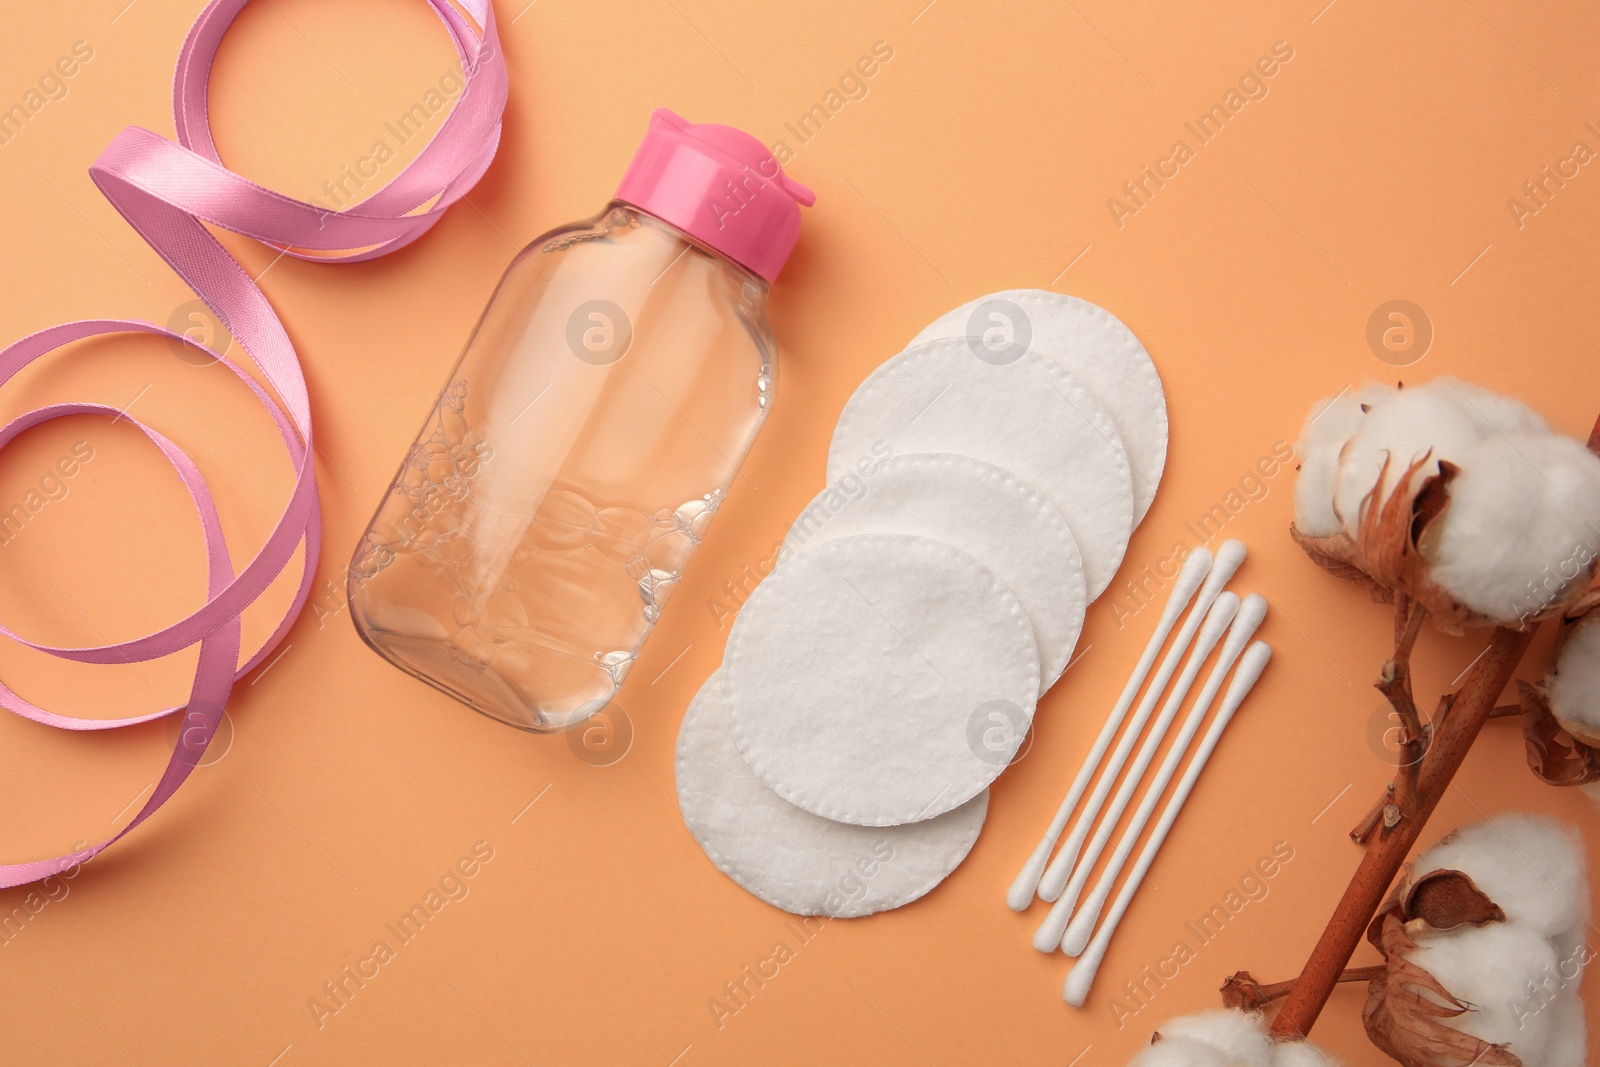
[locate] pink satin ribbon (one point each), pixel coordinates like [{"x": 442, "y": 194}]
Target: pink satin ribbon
[{"x": 165, "y": 190}]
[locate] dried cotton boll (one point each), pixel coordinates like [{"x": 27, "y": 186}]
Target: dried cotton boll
[
  {"x": 1329, "y": 425},
  {"x": 1444, "y": 414},
  {"x": 1225, "y": 1039},
  {"x": 1522, "y": 529},
  {"x": 1532, "y": 866},
  {"x": 1575, "y": 683},
  {"x": 1401, "y": 427},
  {"x": 1516, "y": 966},
  {"x": 1455, "y": 496},
  {"x": 1491, "y": 968}
]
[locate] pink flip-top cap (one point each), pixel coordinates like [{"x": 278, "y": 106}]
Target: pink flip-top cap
[{"x": 720, "y": 186}]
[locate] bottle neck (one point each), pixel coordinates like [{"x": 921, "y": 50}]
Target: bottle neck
[{"x": 752, "y": 281}]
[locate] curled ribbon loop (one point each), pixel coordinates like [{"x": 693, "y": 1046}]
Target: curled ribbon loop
[{"x": 166, "y": 190}]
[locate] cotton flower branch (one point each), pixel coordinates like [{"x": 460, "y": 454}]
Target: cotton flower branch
[{"x": 1461, "y": 506}]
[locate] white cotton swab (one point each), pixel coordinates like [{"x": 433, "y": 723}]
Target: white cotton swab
[
  {"x": 1251, "y": 613},
  {"x": 1048, "y": 937},
  {"x": 1081, "y": 977},
  {"x": 1230, "y": 556},
  {"x": 1020, "y": 895}
]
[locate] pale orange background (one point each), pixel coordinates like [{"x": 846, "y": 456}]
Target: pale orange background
[{"x": 1378, "y": 167}]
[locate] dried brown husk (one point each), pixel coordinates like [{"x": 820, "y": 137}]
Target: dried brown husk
[
  {"x": 1587, "y": 602},
  {"x": 1557, "y": 754},
  {"x": 1390, "y": 553},
  {"x": 1435, "y": 901},
  {"x": 1407, "y": 1008},
  {"x": 1406, "y": 1011},
  {"x": 1241, "y": 991},
  {"x": 1575, "y": 615}
]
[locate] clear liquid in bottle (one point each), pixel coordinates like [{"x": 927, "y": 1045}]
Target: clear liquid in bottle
[{"x": 586, "y": 438}]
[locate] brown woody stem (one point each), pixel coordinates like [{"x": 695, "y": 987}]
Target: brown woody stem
[
  {"x": 1266, "y": 994},
  {"x": 1369, "y": 822},
  {"x": 1388, "y": 848},
  {"x": 1394, "y": 682}
]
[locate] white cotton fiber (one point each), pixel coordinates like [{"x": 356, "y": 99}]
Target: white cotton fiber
[
  {"x": 1568, "y": 1044},
  {"x": 1493, "y": 412},
  {"x": 1235, "y": 1033},
  {"x": 1226, "y": 1039},
  {"x": 1300, "y": 1054},
  {"x": 1181, "y": 1052},
  {"x": 1329, "y": 425},
  {"x": 1522, "y": 529},
  {"x": 1531, "y": 865},
  {"x": 1399, "y": 429},
  {"x": 1493, "y": 969},
  {"x": 1575, "y": 685}
]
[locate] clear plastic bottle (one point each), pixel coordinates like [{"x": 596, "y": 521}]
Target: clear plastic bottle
[{"x": 586, "y": 437}]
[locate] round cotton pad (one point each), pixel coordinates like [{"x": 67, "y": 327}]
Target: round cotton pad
[
  {"x": 1095, "y": 347},
  {"x": 1027, "y": 415},
  {"x": 793, "y": 859},
  {"x": 980, "y": 509},
  {"x": 880, "y": 679}
]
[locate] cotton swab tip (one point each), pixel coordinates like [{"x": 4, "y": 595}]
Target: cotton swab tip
[
  {"x": 1048, "y": 937},
  {"x": 1059, "y": 872},
  {"x": 1252, "y": 612},
  {"x": 1081, "y": 928},
  {"x": 1081, "y": 978},
  {"x": 1020, "y": 895},
  {"x": 1194, "y": 571},
  {"x": 1217, "y": 620},
  {"x": 1251, "y": 664},
  {"x": 1230, "y": 557},
  {"x": 1226, "y": 563}
]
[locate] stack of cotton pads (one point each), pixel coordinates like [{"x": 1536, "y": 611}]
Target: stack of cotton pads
[{"x": 983, "y": 486}]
